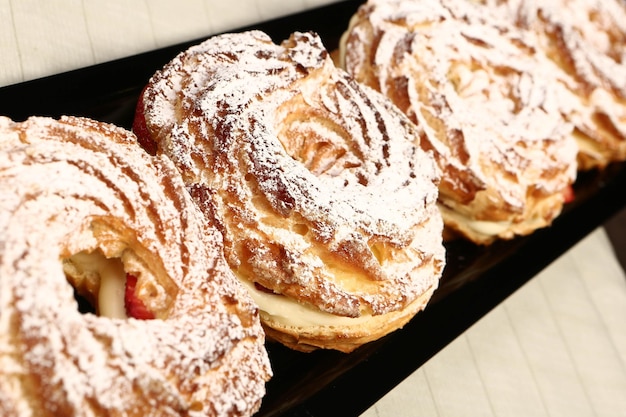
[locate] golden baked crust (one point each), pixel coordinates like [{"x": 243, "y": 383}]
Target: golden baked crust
[
  {"x": 585, "y": 40},
  {"x": 485, "y": 101},
  {"x": 77, "y": 186},
  {"x": 318, "y": 185}
]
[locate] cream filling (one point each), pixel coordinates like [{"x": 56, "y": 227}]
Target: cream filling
[
  {"x": 489, "y": 228},
  {"x": 484, "y": 227},
  {"x": 588, "y": 146},
  {"x": 289, "y": 312},
  {"x": 112, "y": 282}
]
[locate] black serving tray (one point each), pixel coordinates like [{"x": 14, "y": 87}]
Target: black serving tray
[{"x": 476, "y": 279}]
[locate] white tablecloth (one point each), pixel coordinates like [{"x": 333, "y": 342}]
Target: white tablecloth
[{"x": 39, "y": 38}]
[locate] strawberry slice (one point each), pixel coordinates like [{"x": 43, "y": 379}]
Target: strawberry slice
[
  {"x": 134, "y": 306},
  {"x": 263, "y": 289},
  {"x": 140, "y": 129},
  {"x": 568, "y": 194}
]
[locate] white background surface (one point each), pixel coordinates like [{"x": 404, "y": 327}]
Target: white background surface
[{"x": 39, "y": 37}]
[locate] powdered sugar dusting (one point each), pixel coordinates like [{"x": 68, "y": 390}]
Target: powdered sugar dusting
[
  {"x": 76, "y": 185},
  {"x": 305, "y": 170},
  {"x": 485, "y": 100},
  {"x": 586, "y": 40}
]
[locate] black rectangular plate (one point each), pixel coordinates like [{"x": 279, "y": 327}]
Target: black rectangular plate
[{"x": 476, "y": 279}]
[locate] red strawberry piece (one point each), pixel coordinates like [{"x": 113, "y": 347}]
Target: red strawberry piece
[
  {"x": 141, "y": 130},
  {"x": 263, "y": 289},
  {"x": 134, "y": 306},
  {"x": 568, "y": 194}
]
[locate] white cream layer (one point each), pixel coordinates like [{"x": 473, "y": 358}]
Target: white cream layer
[
  {"x": 112, "y": 282},
  {"x": 289, "y": 312}
]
